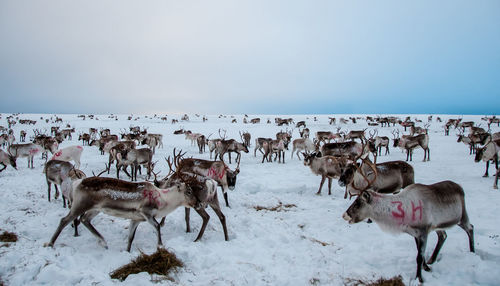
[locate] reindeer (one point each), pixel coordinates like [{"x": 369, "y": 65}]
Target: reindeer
[
  {"x": 259, "y": 145},
  {"x": 387, "y": 177},
  {"x": 22, "y": 136},
  {"x": 101, "y": 143},
  {"x": 493, "y": 120},
  {"x": 93, "y": 133},
  {"x": 71, "y": 153},
  {"x": 274, "y": 147},
  {"x": 300, "y": 124},
  {"x": 355, "y": 134},
  {"x": 327, "y": 166},
  {"x": 57, "y": 172},
  {"x": 7, "y": 159},
  {"x": 467, "y": 141},
  {"x": 48, "y": 143},
  {"x": 350, "y": 149},
  {"x": 53, "y": 130},
  {"x": 245, "y": 138},
  {"x": 67, "y": 133},
  {"x": 192, "y": 136},
  {"x": 489, "y": 152},
  {"x": 85, "y": 137},
  {"x": 255, "y": 120},
  {"x": 381, "y": 141},
  {"x": 419, "y": 130},
  {"x": 285, "y": 136},
  {"x": 119, "y": 147},
  {"x": 212, "y": 146},
  {"x": 417, "y": 210},
  {"x": 304, "y": 133},
  {"x": 205, "y": 192},
  {"x": 332, "y": 120},
  {"x": 217, "y": 170},
  {"x": 134, "y": 158},
  {"x": 202, "y": 142},
  {"x": 151, "y": 141},
  {"x": 411, "y": 142},
  {"x": 28, "y": 150},
  {"x": 228, "y": 146},
  {"x": 302, "y": 144},
  {"x": 3, "y": 139},
  {"x": 135, "y": 201}
]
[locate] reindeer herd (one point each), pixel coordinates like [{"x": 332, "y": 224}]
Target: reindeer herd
[{"x": 385, "y": 192}]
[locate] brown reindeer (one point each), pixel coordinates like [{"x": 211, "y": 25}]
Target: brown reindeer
[
  {"x": 135, "y": 201},
  {"x": 326, "y": 166},
  {"x": 387, "y": 177}
]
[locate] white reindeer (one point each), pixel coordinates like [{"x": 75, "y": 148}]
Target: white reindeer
[
  {"x": 417, "y": 210},
  {"x": 70, "y": 153}
]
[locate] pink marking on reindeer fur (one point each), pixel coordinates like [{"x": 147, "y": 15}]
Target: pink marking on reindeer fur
[
  {"x": 415, "y": 209},
  {"x": 401, "y": 214},
  {"x": 152, "y": 196},
  {"x": 213, "y": 173}
]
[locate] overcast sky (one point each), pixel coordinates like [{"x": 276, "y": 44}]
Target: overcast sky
[{"x": 252, "y": 56}]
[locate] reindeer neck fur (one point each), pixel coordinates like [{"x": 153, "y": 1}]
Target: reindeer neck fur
[
  {"x": 394, "y": 213},
  {"x": 358, "y": 181}
]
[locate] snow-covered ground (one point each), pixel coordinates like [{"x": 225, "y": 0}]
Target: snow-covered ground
[{"x": 264, "y": 247}]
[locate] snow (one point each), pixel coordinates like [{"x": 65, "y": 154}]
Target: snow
[{"x": 306, "y": 244}]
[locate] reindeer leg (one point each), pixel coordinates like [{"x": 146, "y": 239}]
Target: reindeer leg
[
  {"x": 329, "y": 186},
  {"x": 222, "y": 218},
  {"x": 227, "y": 201},
  {"x": 186, "y": 218},
  {"x": 150, "y": 218},
  {"x": 4, "y": 167},
  {"x": 73, "y": 214},
  {"x": 162, "y": 222},
  {"x": 487, "y": 167},
  {"x": 441, "y": 238},
  {"x": 76, "y": 222},
  {"x": 86, "y": 219},
  {"x": 204, "y": 215},
  {"x": 421, "y": 242},
  {"x": 56, "y": 196},
  {"x": 48, "y": 190},
  {"x": 321, "y": 185},
  {"x": 495, "y": 186},
  {"x": 131, "y": 234}
]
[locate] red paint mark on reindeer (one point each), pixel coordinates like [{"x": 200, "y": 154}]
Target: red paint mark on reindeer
[
  {"x": 152, "y": 196},
  {"x": 79, "y": 147},
  {"x": 215, "y": 174},
  {"x": 401, "y": 212},
  {"x": 33, "y": 151},
  {"x": 414, "y": 210},
  {"x": 57, "y": 154}
]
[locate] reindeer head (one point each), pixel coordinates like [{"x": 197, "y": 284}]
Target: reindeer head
[{"x": 359, "y": 209}]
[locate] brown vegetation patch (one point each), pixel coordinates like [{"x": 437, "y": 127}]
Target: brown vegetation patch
[
  {"x": 278, "y": 208},
  {"x": 8, "y": 237},
  {"x": 161, "y": 262},
  {"x": 394, "y": 281}
]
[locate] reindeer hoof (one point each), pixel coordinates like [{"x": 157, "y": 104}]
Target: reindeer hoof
[
  {"x": 485, "y": 176},
  {"x": 426, "y": 267},
  {"x": 495, "y": 187},
  {"x": 48, "y": 244}
]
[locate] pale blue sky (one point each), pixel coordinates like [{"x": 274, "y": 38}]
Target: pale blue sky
[{"x": 250, "y": 56}]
